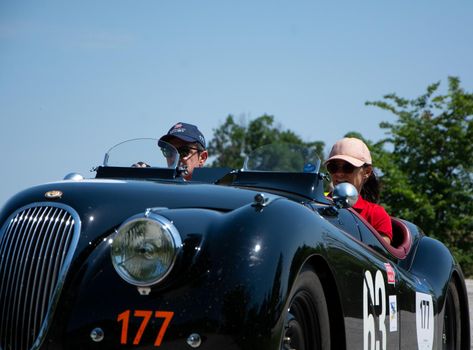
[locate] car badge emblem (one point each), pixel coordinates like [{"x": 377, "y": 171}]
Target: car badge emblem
[{"x": 53, "y": 194}]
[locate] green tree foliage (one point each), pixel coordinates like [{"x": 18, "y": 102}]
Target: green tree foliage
[
  {"x": 232, "y": 141},
  {"x": 428, "y": 176},
  {"x": 283, "y": 157},
  {"x": 425, "y": 164}
]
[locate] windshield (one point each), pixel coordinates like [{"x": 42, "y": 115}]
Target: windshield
[
  {"x": 283, "y": 157},
  {"x": 143, "y": 152}
]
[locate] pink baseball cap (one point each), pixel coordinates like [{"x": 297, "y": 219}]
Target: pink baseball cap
[{"x": 352, "y": 150}]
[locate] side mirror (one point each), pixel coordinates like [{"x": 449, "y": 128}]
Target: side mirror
[{"x": 345, "y": 195}]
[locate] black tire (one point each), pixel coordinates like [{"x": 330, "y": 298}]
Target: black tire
[
  {"x": 306, "y": 324},
  {"x": 451, "y": 336}
]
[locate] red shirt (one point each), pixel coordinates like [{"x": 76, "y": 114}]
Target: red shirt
[{"x": 375, "y": 215}]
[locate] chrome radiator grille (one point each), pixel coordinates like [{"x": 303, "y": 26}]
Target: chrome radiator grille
[{"x": 36, "y": 245}]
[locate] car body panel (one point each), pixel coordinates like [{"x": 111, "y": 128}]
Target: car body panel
[{"x": 234, "y": 275}]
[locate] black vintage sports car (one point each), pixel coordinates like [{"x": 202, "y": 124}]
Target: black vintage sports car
[{"x": 256, "y": 258}]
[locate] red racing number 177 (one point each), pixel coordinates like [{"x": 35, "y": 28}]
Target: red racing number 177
[{"x": 146, "y": 316}]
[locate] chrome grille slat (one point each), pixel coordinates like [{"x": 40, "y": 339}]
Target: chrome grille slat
[
  {"x": 34, "y": 267},
  {"x": 26, "y": 290},
  {"x": 23, "y": 250},
  {"x": 3, "y": 247},
  {"x": 16, "y": 264},
  {"x": 36, "y": 247},
  {"x": 45, "y": 272},
  {"x": 3, "y": 269},
  {"x": 67, "y": 237},
  {"x": 38, "y": 278},
  {"x": 11, "y": 272}
]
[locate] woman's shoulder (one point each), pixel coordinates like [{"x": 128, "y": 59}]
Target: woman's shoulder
[{"x": 377, "y": 208}]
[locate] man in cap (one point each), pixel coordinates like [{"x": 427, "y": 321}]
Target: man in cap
[{"x": 190, "y": 144}]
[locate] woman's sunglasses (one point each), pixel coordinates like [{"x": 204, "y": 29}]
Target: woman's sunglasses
[{"x": 344, "y": 167}]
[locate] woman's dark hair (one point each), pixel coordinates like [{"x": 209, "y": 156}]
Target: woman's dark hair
[{"x": 371, "y": 188}]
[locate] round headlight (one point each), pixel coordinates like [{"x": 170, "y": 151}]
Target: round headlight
[{"x": 145, "y": 248}]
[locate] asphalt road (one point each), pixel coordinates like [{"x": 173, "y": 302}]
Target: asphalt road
[{"x": 469, "y": 288}]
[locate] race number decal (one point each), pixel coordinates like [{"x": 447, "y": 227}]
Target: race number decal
[
  {"x": 390, "y": 273},
  {"x": 424, "y": 321},
  {"x": 374, "y": 294},
  {"x": 145, "y": 316}
]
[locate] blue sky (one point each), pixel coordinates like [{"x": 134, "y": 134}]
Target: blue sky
[{"x": 79, "y": 77}]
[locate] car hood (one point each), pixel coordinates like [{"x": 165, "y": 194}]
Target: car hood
[
  {"x": 102, "y": 205},
  {"x": 132, "y": 196}
]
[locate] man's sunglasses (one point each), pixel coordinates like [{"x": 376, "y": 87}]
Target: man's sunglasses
[
  {"x": 344, "y": 167},
  {"x": 184, "y": 151}
]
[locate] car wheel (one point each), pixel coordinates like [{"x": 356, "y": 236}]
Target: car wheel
[
  {"x": 451, "y": 335},
  {"x": 306, "y": 324}
]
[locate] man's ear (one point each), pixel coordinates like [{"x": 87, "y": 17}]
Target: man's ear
[{"x": 203, "y": 157}]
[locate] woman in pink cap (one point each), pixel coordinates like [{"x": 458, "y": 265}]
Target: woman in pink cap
[{"x": 350, "y": 161}]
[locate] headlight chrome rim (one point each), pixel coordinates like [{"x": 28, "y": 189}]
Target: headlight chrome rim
[{"x": 168, "y": 229}]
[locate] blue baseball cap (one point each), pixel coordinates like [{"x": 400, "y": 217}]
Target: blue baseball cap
[{"x": 186, "y": 132}]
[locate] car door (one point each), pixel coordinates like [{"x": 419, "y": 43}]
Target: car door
[
  {"x": 368, "y": 284},
  {"x": 415, "y": 300}
]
